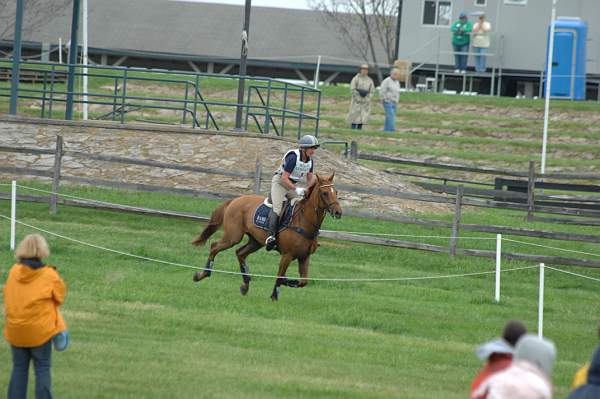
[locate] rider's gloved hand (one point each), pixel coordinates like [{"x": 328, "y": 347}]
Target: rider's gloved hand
[{"x": 300, "y": 191}]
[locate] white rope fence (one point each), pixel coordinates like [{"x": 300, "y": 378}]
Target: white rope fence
[
  {"x": 13, "y": 222},
  {"x": 574, "y": 274},
  {"x": 357, "y": 280},
  {"x": 551, "y": 247}
]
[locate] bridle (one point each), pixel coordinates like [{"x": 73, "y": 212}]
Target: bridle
[
  {"x": 329, "y": 206},
  {"x": 320, "y": 211}
]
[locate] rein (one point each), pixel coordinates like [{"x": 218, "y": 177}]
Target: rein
[{"x": 320, "y": 211}]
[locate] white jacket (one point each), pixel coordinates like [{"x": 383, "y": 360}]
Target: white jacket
[{"x": 522, "y": 380}]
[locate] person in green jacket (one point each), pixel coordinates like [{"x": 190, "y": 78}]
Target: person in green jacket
[{"x": 461, "y": 38}]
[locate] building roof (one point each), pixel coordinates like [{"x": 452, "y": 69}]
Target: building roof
[{"x": 203, "y": 30}]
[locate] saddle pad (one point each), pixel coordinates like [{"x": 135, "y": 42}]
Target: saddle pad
[{"x": 261, "y": 216}]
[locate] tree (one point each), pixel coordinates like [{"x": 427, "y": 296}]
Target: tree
[
  {"x": 363, "y": 25},
  {"x": 36, "y": 12}
]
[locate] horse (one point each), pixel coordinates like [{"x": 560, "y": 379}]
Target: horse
[{"x": 297, "y": 241}]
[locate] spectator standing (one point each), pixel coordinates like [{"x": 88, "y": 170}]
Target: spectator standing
[
  {"x": 481, "y": 42},
  {"x": 32, "y": 295},
  {"x": 581, "y": 375},
  {"x": 362, "y": 88},
  {"x": 389, "y": 91},
  {"x": 529, "y": 375},
  {"x": 498, "y": 354},
  {"x": 461, "y": 31},
  {"x": 590, "y": 389}
]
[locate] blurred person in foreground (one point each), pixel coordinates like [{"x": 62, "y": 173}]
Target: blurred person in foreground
[
  {"x": 591, "y": 388},
  {"x": 528, "y": 377},
  {"x": 581, "y": 375},
  {"x": 498, "y": 353},
  {"x": 33, "y": 294}
]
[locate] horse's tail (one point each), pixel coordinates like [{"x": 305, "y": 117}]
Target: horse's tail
[{"x": 216, "y": 220}]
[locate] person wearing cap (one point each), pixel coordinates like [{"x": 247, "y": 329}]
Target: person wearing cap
[
  {"x": 361, "y": 88},
  {"x": 296, "y": 167},
  {"x": 590, "y": 389},
  {"x": 498, "y": 353},
  {"x": 33, "y": 294},
  {"x": 389, "y": 92},
  {"x": 528, "y": 377},
  {"x": 481, "y": 42},
  {"x": 461, "y": 31}
]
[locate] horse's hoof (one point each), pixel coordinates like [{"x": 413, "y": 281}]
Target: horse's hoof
[
  {"x": 274, "y": 298},
  {"x": 200, "y": 276},
  {"x": 244, "y": 289}
]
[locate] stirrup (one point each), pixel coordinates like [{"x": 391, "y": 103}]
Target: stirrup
[{"x": 270, "y": 243}]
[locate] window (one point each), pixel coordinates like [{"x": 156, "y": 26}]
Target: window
[
  {"x": 516, "y": 2},
  {"x": 481, "y": 3},
  {"x": 437, "y": 12}
]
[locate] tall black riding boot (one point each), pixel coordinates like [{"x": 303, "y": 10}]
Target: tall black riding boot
[{"x": 273, "y": 227}]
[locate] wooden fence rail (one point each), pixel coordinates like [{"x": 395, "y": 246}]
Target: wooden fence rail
[
  {"x": 59, "y": 152},
  {"x": 466, "y": 168},
  {"x": 336, "y": 235}
]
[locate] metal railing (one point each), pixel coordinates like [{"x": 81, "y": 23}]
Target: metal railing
[{"x": 117, "y": 92}]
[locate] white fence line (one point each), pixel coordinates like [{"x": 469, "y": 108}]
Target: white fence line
[
  {"x": 541, "y": 303},
  {"x": 146, "y": 258},
  {"x": 498, "y": 265},
  {"x": 13, "y": 214},
  {"x": 551, "y": 247},
  {"x": 498, "y": 270},
  {"x": 574, "y": 274}
]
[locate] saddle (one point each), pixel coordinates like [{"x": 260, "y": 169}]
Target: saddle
[
  {"x": 261, "y": 219},
  {"x": 261, "y": 214}
]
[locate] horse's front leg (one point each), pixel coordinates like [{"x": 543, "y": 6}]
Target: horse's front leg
[
  {"x": 284, "y": 262},
  {"x": 303, "y": 271}
]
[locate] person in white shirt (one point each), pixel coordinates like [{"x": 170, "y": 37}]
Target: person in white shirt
[
  {"x": 481, "y": 42},
  {"x": 389, "y": 91}
]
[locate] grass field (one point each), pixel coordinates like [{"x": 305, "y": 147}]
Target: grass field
[{"x": 144, "y": 330}]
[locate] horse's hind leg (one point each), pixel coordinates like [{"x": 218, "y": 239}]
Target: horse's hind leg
[
  {"x": 242, "y": 253},
  {"x": 227, "y": 241}
]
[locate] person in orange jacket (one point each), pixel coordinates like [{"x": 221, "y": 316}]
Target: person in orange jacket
[{"x": 32, "y": 295}]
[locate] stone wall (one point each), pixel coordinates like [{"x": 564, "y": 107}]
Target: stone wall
[{"x": 224, "y": 150}]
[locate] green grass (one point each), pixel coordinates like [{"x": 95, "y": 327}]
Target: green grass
[{"x": 142, "y": 329}]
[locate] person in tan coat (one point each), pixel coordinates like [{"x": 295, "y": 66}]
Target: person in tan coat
[
  {"x": 362, "y": 88},
  {"x": 32, "y": 295}
]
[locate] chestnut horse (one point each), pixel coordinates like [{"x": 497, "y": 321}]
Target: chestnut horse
[{"x": 297, "y": 241}]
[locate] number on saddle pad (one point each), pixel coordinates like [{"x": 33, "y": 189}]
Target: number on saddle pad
[{"x": 261, "y": 216}]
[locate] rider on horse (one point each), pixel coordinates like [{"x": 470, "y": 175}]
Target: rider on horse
[{"x": 296, "y": 165}]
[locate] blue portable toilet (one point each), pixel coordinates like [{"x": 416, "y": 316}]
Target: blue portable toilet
[{"x": 568, "y": 61}]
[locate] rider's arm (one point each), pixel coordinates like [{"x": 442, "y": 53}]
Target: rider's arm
[
  {"x": 288, "y": 167},
  {"x": 286, "y": 182},
  {"x": 310, "y": 179}
]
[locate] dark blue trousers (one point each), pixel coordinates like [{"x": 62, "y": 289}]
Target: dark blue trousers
[{"x": 41, "y": 356}]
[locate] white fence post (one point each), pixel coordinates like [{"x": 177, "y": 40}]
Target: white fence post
[
  {"x": 541, "y": 303},
  {"x": 498, "y": 264},
  {"x": 317, "y": 71},
  {"x": 13, "y": 215}
]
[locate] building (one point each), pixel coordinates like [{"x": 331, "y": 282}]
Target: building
[
  {"x": 518, "y": 48},
  {"x": 202, "y": 37},
  {"x": 286, "y": 43}
]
